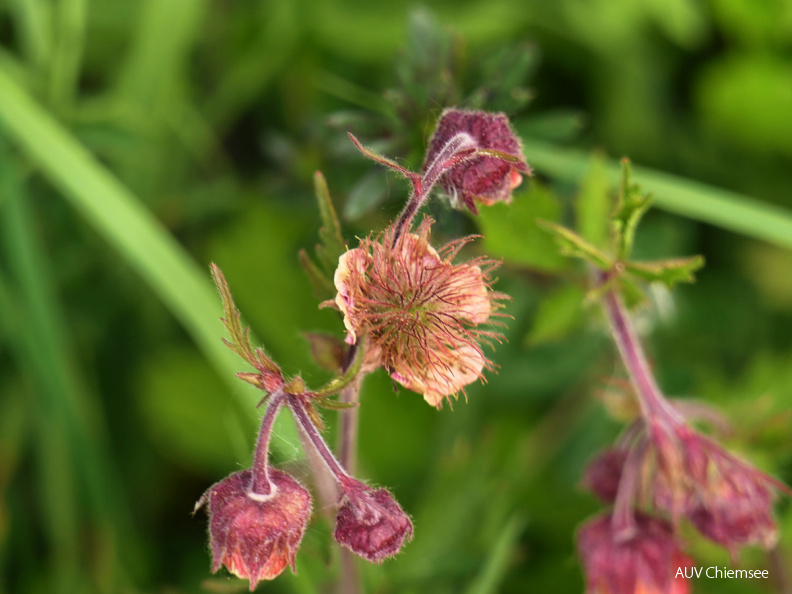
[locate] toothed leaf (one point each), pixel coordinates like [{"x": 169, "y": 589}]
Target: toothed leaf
[
  {"x": 573, "y": 245},
  {"x": 631, "y": 207},
  {"x": 668, "y": 272}
]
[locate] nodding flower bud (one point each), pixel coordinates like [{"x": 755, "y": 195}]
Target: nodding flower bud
[
  {"x": 726, "y": 499},
  {"x": 484, "y": 179},
  {"x": 422, "y": 313},
  {"x": 256, "y": 536},
  {"x": 370, "y": 522},
  {"x": 645, "y": 563},
  {"x": 604, "y": 472}
]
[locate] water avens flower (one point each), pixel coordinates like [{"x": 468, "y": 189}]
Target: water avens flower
[
  {"x": 370, "y": 522},
  {"x": 645, "y": 563},
  {"x": 726, "y": 499},
  {"x": 423, "y": 314},
  {"x": 256, "y": 536},
  {"x": 482, "y": 179}
]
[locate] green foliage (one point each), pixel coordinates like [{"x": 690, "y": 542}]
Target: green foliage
[
  {"x": 140, "y": 141},
  {"x": 509, "y": 234},
  {"x": 330, "y": 247},
  {"x": 630, "y": 207}
]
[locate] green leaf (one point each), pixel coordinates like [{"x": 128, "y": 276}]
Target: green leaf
[
  {"x": 685, "y": 197},
  {"x": 322, "y": 285},
  {"x": 559, "y": 313},
  {"x": 510, "y": 231},
  {"x": 120, "y": 218},
  {"x": 337, "y": 384},
  {"x": 331, "y": 242},
  {"x": 668, "y": 272},
  {"x": 574, "y": 246},
  {"x": 594, "y": 205},
  {"x": 366, "y": 195},
  {"x": 631, "y": 207}
]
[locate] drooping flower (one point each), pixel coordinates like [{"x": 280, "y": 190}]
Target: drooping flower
[
  {"x": 422, "y": 313},
  {"x": 370, "y": 522},
  {"x": 484, "y": 179},
  {"x": 256, "y": 536},
  {"x": 726, "y": 499},
  {"x": 645, "y": 563},
  {"x": 604, "y": 472}
]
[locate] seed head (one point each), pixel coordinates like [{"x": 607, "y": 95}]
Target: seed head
[
  {"x": 371, "y": 523},
  {"x": 256, "y": 536},
  {"x": 481, "y": 179},
  {"x": 422, "y": 313}
]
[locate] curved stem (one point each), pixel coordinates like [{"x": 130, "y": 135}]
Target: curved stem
[
  {"x": 653, "y": 404},
  {"x": 460, "y": 147},
  {"x": 316, "y": 440},
  {"x": 348, "y": 421},
  {"x": 261, "y": 484}
]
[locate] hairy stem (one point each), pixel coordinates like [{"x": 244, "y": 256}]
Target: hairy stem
[
  {"x": 654, "y": 405},
  {"x": 459, "y": 148},
  {"x": 315, "y": 438},
  {"x": 261, "y": 484},
  {"x": 349, "y": 581},
  {"x": 348, "y": 421}
]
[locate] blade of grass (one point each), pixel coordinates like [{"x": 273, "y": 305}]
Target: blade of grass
[
  {"x": 142, "y": 241},
  {"x": 165, "y": 35},
  {"x": 31, "y": 342},
  {"x": 494, "y": 570},
  {"x": 33, "y": 19},
  {"x": 70, "y": 18},
  {"x": 681, "y": 196}
]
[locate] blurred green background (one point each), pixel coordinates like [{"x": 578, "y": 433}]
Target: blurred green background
[{"x": 141, "y": 140}]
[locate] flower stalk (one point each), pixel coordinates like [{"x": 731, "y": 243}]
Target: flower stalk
[{"x": 261, "y": 484}]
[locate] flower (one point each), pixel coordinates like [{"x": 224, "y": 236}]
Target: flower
[
  {"x": 421, "y": 312},
  {"x": 484, "y": 179},
  {"x": 256, "y": 536},
  {"x": 645, "y": 563},
  {"x": 370, "y": 522},
  {"x": 726, "y": 499},
  {"x": 604, "y": 472}
]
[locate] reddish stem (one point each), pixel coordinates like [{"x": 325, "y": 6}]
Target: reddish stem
[
  {"x": 654, "y": 405},
  {"x": 297, "y": 406},
  {"x": 261, "y": 484}
]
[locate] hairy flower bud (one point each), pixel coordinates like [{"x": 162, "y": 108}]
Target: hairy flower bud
[
  {"x": 370, "y": 522},
  {"x": 484, "y": 179},
  {"x": 256, "y": 536},
  {"x": 421, "y": 312},
  {"x": 645, "y": 563},
  {"x": 726, "y": 499},
  {"x": 603, "y": 473}
]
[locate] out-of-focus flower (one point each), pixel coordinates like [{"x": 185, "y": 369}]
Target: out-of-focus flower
[
  {"x": 484, "y": 179},
  {"x": 645, "y": 563},
  {"x": 603, "y": 473},
  {"x": 256, "y": 536},
  {"x": 422, "y": 313},
  {"x": 726, "y": 499},
  {"x": 370, "y": 522}
]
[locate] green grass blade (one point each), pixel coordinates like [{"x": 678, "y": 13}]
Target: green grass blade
[
  {"x": 494, "y": 570},
  {"x": 681, "y": 196},
  {"x": 183, "y": 286},
  {"x": 70, "y": 16}
]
